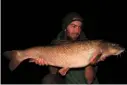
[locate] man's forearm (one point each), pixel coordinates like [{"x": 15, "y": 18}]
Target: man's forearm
[{"x": 89, "y": 74}]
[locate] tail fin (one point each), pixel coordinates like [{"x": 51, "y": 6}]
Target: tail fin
[
  {"x": 12, "y": 56},
  {"x": 9, "y": 54}
]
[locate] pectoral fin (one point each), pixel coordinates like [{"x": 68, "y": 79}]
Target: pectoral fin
[{"x": 63, "y": 71}]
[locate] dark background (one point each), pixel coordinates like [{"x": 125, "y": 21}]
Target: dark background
[{"x": 31, "y": 23}]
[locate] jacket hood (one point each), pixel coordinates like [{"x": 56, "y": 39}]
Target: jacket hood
[{"x": 73, "y": 16}]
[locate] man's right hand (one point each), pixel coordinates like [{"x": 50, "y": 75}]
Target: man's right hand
[{"x": 39, "y": 61}]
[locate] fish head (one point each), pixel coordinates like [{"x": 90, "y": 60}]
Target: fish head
[{"x": 111, "y": 49}]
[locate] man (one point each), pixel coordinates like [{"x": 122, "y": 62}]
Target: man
[{"x": 72, "y": 30}]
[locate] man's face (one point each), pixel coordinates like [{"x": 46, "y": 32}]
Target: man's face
[{"x": 74, "y": 29}]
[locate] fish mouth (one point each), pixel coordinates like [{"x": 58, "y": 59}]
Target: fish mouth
[{"x": 120, "y": 52}]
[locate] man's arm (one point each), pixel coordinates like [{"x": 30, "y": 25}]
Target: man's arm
[{"x": 89, "y": 74}]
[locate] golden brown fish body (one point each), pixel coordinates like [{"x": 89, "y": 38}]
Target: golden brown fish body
[{"x": 70, "y": 55}]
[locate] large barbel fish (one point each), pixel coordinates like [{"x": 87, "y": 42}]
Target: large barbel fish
[{"x": 67, "y": 55}]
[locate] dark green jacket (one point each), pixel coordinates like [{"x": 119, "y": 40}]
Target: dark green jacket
[{"x": 75, "y": 76}]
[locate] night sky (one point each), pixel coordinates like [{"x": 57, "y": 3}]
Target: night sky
[{"x": 37, "y": 23}]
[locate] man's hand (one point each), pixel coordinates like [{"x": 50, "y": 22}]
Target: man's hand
[{"x": 39, "y": 61}]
